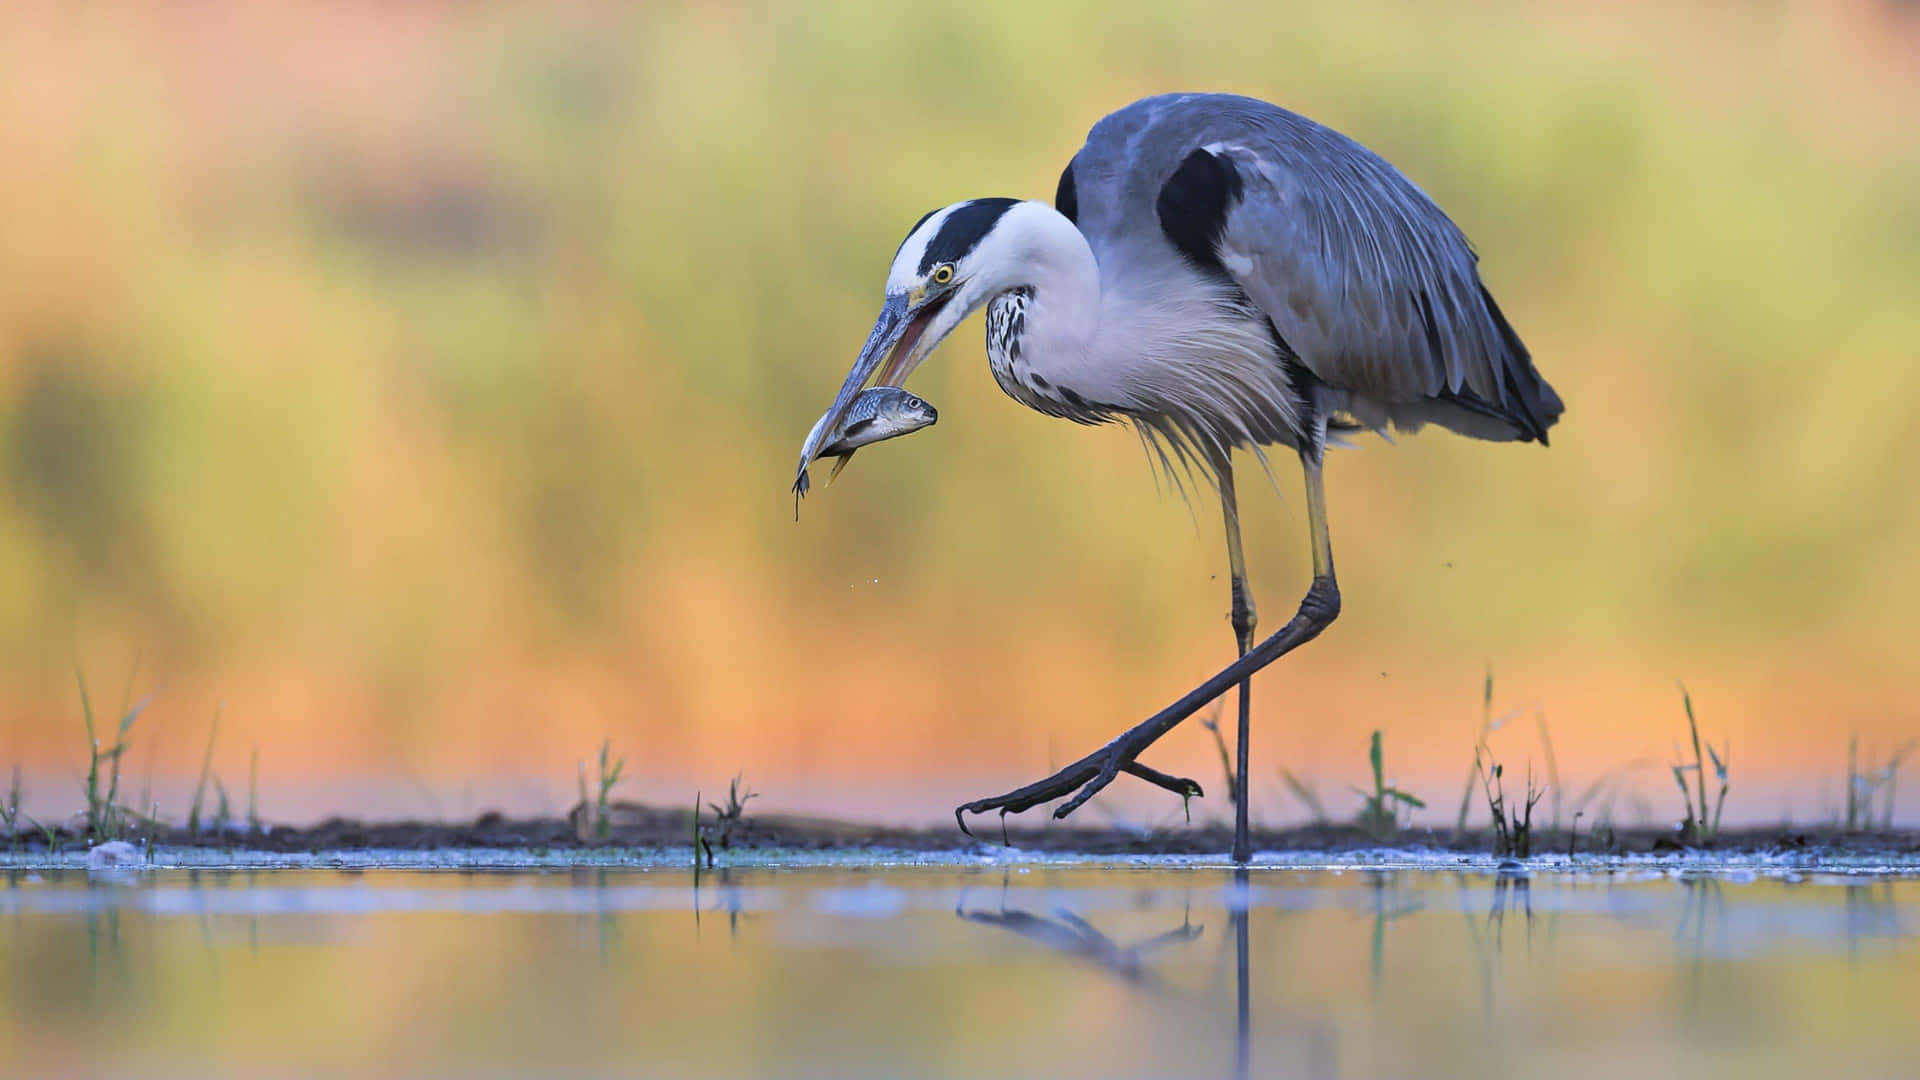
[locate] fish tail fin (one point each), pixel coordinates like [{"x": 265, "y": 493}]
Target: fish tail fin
[{"x": 800, "y": 485}]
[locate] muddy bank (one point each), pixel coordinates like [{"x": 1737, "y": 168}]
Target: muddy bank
[{"x": 633, "y": 826}]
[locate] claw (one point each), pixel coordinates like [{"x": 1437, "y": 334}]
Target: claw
[
  {"x": 1317, "y": 610},
  {"x": 1179, "y": 785},
  {"x": 1090, "y": 774}
]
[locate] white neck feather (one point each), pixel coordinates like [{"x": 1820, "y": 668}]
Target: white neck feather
[
  {"x": 1036, "y": 247},
  {"x": 1160, "y": 343},
  {"x": 1042, "y": 283}
]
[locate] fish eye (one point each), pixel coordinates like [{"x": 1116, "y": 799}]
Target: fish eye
[
  {"x": 914, "y": 402},
  {"x": 943, "y": 273}
]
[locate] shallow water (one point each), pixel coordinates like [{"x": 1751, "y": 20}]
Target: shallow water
[{"x": 951, "y": 972}]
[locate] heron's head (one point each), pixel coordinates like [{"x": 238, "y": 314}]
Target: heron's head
[{"x": 952, "y": 262}]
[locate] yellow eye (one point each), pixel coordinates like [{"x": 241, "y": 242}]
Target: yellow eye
[{"x": 943, "y": 274}]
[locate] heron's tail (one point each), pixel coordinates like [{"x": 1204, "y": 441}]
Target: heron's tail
[
  {"x": 1533, "y": 405},
  {"x": 1526, "y": 406}
]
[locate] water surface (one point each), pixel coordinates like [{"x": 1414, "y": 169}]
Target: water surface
[{"x": 1004, "y": 971}]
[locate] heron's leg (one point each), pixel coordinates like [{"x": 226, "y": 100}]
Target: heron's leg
[
  {"x": 1317, "y": 611},
  {"x": 1244, "y": 620}
]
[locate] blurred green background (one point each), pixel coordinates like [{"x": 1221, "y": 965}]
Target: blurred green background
[{"x": 423, "y": 382}]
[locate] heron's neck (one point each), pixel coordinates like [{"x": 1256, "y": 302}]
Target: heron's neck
[{"x": 1042, "y": 321}]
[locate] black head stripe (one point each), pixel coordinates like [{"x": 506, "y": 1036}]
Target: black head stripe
[{"x": 962, "y": 230}]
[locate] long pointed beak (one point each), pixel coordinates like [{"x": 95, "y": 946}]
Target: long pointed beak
[{"x": 895, "y": 332}]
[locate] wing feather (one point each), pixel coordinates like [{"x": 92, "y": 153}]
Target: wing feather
[{"x": 1363, "y": 275}]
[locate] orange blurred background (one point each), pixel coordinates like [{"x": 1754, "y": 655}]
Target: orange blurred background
[{"x": 420, "y": 384}]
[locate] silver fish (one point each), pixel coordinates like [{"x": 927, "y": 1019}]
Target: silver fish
[{"x": 878, "y": 414}]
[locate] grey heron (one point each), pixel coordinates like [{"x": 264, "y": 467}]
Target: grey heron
[{"x": 1225, "y": 275}]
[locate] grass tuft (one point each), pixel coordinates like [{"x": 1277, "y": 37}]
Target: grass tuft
[
  {"x": 611, "y": 770},
  {"x": 1211, "y": 722},
  {"x": 206, "y": 774},
  {"x": 223, "y": 809},
  {"x": 1704, "y": 827},
  {"x": 10, "y": 812},
  {"x": 1512, "y": 830},
  {"x": 730, "y": 816},
  {"x": 106, "y": 820},
  {"x": 1380, "y": 816},
  {"x": 1871, "y": 784}
]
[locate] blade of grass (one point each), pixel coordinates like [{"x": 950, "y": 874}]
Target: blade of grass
[
  {"x": 1893, "y": 782},
  {"x": 1306, "y": 795},
  {"x": 120, "y": 747},
  {"x": 93, "y": 754},
  {"x": 1479, "y": 744},
  {"x": 1212, "y": 723},
  {"x": 206, "y": 770},
  {"x": 253, "y": 790},
  {"x": 1699, "y": 765},
  {"x": 1720, "y": 775},
  {"x": 1553, "y": 765},
  {"x": 11, "y": 811},
  {"x": 1853, "y": 781},
  {"x": 696, "y": 844},
  {"x": 1686, "y": 799}
]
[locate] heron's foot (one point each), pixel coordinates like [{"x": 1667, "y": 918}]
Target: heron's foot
[
  {"x": 1095, "y": 771},
  {"x": 1090, "y": 774}
]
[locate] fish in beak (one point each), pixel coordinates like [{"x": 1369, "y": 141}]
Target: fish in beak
[{"x": 891, "y": 350}]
